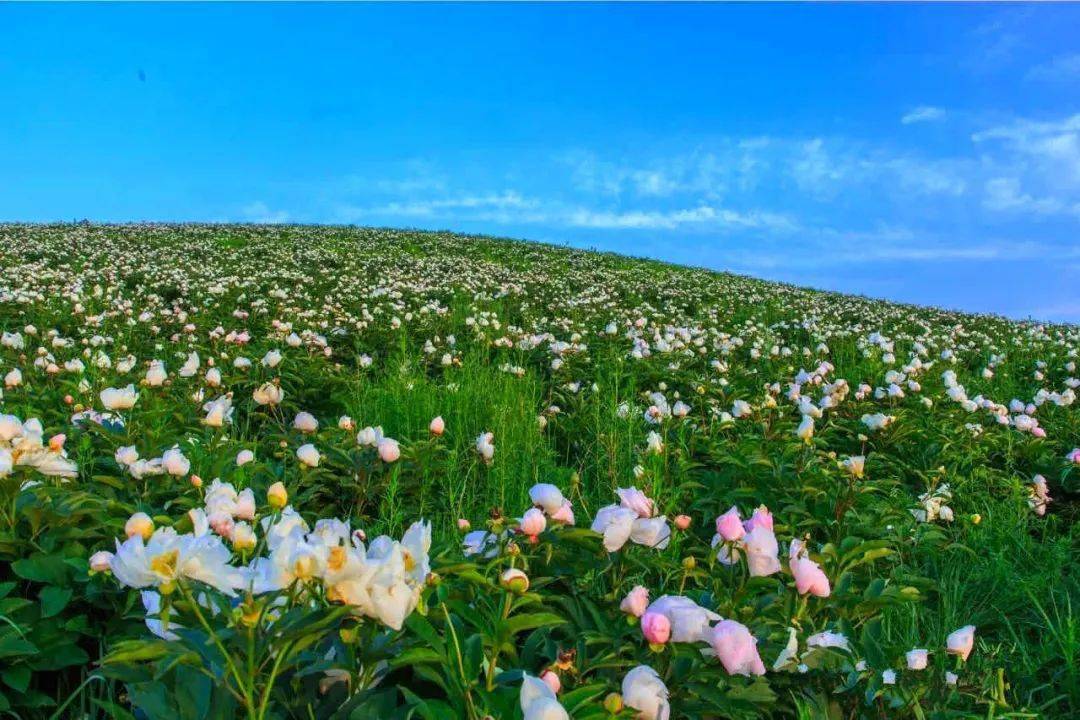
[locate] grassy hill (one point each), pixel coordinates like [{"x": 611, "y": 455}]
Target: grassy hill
[{"x": 911, "y": 451}]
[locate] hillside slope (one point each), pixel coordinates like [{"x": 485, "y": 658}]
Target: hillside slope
[{"x": 925, "y": 459}]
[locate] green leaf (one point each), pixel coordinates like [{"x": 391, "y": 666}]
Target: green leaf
[
  {"x": 17, "y": 677},
  {"x": 42, "y": 568},
  {"x": 530, "y": 621},
  {"x": 53, "y": 600},
  {"x": 11, "y": 645}
]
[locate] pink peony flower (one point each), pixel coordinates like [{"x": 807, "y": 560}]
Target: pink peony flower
[
  {"x": 761, "y": 551},
  {"x": 564, "y": 515},
  {"x": 729, "y": 525},
  {"x": 532, "y": 523},
  {"x": 656, "y": 628},
  {"x": 761, "y": 518},
  {"x": 635, "y": 500},
  {"x": 551, "y": 680},
  {"x": 961, "y": 641},
  {"x": 635, "y": 601},
  {"x": 736, "y": 648},
  {"x": 389, "y": 450},
  {"x": 809, "y": 577}
]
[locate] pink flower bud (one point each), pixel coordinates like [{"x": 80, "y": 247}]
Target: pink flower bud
[
  {"x": 656, "y": 628},
  {"x": 389, "y": 450},
  {"x": 729, "y": 525},
  {"x": 552, "y": 681},
  {"x": 533, "y": 522},
  {"x": 635, "y": 602}
]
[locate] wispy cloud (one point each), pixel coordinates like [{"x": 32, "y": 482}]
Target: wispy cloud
[
  {"x": 1038, "y": 168},
  {"x": 923, "y": 113},
  {"x": 1060, "y": 69},
  {"x": 260, "y": 212},
  {"x": 669, "y": 220}
]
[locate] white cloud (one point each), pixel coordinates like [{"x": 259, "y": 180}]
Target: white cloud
[
  {"x": 1060, "y": 69},
  {"x": 505, "y": 200},
  {"x": 923, "y": 113},
  {"x": 669, "y": 220},
  {"x": 1036, "y": 168},
  {"x": 260, "y": 212},
  {"x": 1004, "y": 194}
]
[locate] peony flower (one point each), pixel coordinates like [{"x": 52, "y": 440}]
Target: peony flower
[
  {"x": 809, "y": 577},
  {"x": 761, "y": 518},
  {"x": 532, "y": 523},
  {"x": 729, "y": 525},
  {"x": 268, "y": 394},
  {"x": 437, "y": 426},
  {"x": 960, "y": 642},
  {"x": 244, "y": 457},
  {"x": 389, "y": 450},
  {"x": 218, "y": 412},
  {"x": 277, "y": 496},
  {"x": 805, "y": 431},
  {"x": 174, "y": 462},
  {"x": 480, "y": 542},
  {"x": 615, "y": 523},
  {"x": 126, "y": 455},
  {"x": 139, "y": 524},
  {"x": 547, "y": 497},
  {"x": 244, "y": 505},
  {"x": 564, "y": 515},
  {"x": 539, "y": 702},
  {"x": 656, "y": 628},
  {"x": 190, "y": 367},
  {"x": 635, "y": 602},
  {"x": 305, "y": 422},
  {"x": 635, "y": 500},
  {"x": 485, "y": 446},
  {"x": 100, "y": 561},
  {"x": 917, "y": 659},
  {"x": 651, "y": 532},
  {"x": 156, "y": 375},
  {"x": 761, "y": 551},
  {"x": 308, "y": 455},
  {"x": 855, "y": 465},
  {"x": 736, "y": 648},
  {"x": 119, "y": 398},
  {"x": 644, "y": 691},
  {"x": 828, "y": 640},
  {"x": 514, "y": 580},
  {"x": 689, "y": 621}
]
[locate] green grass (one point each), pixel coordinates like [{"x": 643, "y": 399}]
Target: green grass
[{"x": 1012, "y": 574}]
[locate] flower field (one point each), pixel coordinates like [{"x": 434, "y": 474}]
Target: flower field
[{"x": 320, "y": 472}]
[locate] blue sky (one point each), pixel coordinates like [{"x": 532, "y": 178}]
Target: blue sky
[{"x": 921, "y": 153}]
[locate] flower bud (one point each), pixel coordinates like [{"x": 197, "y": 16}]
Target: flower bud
[
  {"x": 139, "y": 524},
  {"x": 277, "y": 496},
  {"x": 514, "y": 580},
  {"x": 613, "y": 703},
  {"x": 100, "y": 561}
]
